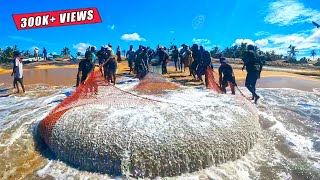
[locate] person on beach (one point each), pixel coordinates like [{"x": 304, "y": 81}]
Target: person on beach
[
  {"x": 226, "y": 76},
  {"x": 175, "y": 57},
  {"x": 45, "y": 54},
  {"x": 163, "y": 56},
  {"x": 131, "y": 56},
  {"x": 18, "y": 72},
  {"x": 140, "y": 67},
  {"x": 110, "y": 67},
  {"x": 94, "y": 56},
  {"x": 118, "y": 53},
  {"x": 206, "y": 63},
  {"x": 110, "y": 46},
  {"x": 253, "y": 66},
  {"x": 85, "y": 68},
  {"x": 36, "y": 53},
  {"x": 196, "y": 61},
  {"x": 182, "y": 57},
  {"x": 188, "y": 60},
  {"x": 101, "y": 55}
]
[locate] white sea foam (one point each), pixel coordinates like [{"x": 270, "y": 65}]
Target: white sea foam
[{"x": 278, "y": 105}]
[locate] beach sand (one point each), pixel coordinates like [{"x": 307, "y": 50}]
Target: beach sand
[{"x": 64, "y": 74}]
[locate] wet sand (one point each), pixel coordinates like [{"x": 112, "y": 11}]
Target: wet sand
[{"x": 65, "y": 75}]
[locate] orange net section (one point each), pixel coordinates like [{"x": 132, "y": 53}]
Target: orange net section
[
  {"x": 154, "y": 83},
  {"x": 84, "y": 94},
  {"x": 210, "y": 81}
]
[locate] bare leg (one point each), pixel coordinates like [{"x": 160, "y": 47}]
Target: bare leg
[
  {"x": 17, "y": 87},
  {"x": 23, "y": 89}
]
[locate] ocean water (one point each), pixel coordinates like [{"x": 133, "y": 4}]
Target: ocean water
[{"x": 288, "y": 146}]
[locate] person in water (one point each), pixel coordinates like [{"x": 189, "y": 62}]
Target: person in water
[
  {"x": 253, "y": 66},
  {"x": 226, "y": 76},
  {"x": 18, "y": 72},
  {"x": 131, "y": 56},
  {"x": 110, "y": 67},
  {"x": 85, "y": 68}
]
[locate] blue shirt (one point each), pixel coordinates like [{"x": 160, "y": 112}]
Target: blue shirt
[
  {"x": 132, "y": 55},
  {"x": 94, "y": 58}
]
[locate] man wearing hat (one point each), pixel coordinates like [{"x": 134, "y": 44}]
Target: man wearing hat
[{"x": 226, "y": 76}]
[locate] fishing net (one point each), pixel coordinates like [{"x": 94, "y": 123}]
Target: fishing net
[
  {"x": 211, "y": 80},
  {"x": 105, "y": 129}
]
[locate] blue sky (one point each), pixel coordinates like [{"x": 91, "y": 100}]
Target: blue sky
[{"x": 272, "y": 25}]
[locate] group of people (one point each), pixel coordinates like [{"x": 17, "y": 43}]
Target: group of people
[
  {"x": 104, "y": 59},
  {"x": 253, "y": 65},
  {"x": 44, "y": 54},
  {"x": 198, "y": 60}
]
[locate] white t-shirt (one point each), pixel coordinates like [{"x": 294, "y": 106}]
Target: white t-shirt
[{"x": 18, "y": 68}]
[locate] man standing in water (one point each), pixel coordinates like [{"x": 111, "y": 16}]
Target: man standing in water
[
  {"x": 254, "y": 67},
  {"x": 18, "y": 72},
  {"x": 85, "y": 68}
]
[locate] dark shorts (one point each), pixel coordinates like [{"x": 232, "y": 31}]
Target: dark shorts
[
  {"x": 20, "y": 80},
  {"x": 130, "y": 63},
  {"x": 227, "y": 79}
]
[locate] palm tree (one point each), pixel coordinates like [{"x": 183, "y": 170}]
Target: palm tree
[
  {"x": 65, "y": 52},
  {"x": 313, "y": 54},
  {"x": 78, "y": 53},
  {"x": 227, "y": 52},
  {"x": 214, "y": 52},
  {"x": 292, "y": 51},
  {"x": 242, "y": 49}
]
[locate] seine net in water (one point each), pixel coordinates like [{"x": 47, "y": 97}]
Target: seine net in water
[{"x": 105, "y": 129}]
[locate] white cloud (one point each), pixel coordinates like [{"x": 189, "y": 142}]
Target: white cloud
[
  {"x": 289, "y": 12},
  {"x": 81, "y": 47},
  {"x": 132, "y": 37},
  {"x": 172, "y": 32},
  {"x": 261, "y": 42},
  {"x": 111, "y": 27},
  {"x": 54, "y": 53},
  {"x": 304, "y": 41},
  {"x": 201, "y": 41},
  {"x": 247, "y": 41},
  {"x": 261, "y": 33}
]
